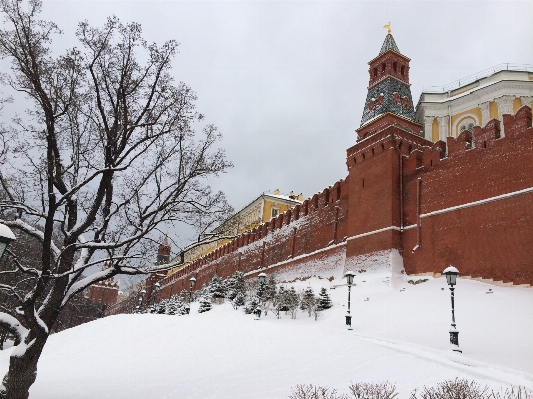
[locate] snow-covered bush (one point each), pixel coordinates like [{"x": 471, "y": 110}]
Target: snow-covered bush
[
  {"x": 239, "y": 300},
  {"x": 205, "y": 304},
  {"x": 380, "y": 390},
  {"x": 458, "y": 388},
  {"x": 325, "y": 300},
  {"x": 251, "y": 305},
  {"x": 235, "y": 285},
  {"x": 304, "y": 391},
  {"x": 217, "y": 288}
]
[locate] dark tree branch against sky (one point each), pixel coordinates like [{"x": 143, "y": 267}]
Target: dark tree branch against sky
[{"x": 110, "y": 150}]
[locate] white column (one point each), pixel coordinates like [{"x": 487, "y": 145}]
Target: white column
[
  {"x": 505, "y": 106},
  {"x": 444, "y": 130},
  {"x": 428, "y": 127},
  {"x": 526, "y": 100},
  {"x": 485, "y": 113}
]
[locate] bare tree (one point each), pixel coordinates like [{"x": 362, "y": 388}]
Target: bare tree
[{"x": 107, "y": 152}]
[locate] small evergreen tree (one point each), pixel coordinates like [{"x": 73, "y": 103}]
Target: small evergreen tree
[
  {"x": 239, "y": 300},
  {"x": 173, "y": 305},
  {"x": 251, "y": 305},
  {"x": 161, "y": 307},
  {"x": 216, "y": 288},
  {"x": 308, "y": 301},
  {"x": 281, "y": 300},
  {"x": 324, "y": 300},
  {"x": 292, "y": 301},
  {"x": 234, "y": 285},
  {"x": 205, "y": 304}
]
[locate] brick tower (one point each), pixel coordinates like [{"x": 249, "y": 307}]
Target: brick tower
[
  {"x": 387, "y": 134},
  {"x": 389, "y": 97}
]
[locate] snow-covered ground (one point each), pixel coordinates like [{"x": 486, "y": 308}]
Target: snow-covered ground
[{"x": 399, "y": 335}]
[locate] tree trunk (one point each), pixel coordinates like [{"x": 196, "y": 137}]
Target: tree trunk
[{"x": 22, "y": 371}]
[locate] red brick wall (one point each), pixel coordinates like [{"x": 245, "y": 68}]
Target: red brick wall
[{"x": 490, "y": 240}]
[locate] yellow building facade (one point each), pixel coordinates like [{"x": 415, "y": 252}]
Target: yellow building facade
[
  {"x": 449, "y": 110},
  {"x": 261, "y": 210}
]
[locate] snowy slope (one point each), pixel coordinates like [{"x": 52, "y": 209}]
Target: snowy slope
[{"x": 400, "y": 336}]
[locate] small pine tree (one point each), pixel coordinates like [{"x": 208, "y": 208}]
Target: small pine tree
[
  {"x": 324, "y": 300},
  {"x": 281, "y": 300},
  {"x": 251, "y": 305},
  {"x": 292, "y": 301},
  {"x": 308, "y": 300},
  {"x": 235, "y": 285},
  {"x": 216, "y": 288},
  {"x": 239, "y": 300},
  {"x": 205, "y": 304},
  {"x": 172, "y": 305},
  {"x": 161, "y": 307}
]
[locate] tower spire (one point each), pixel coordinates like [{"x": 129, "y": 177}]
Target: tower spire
[{"x": 389, "y": 91}]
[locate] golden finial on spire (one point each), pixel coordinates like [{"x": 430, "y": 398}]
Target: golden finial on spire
[{"x": 389, "y": 29}]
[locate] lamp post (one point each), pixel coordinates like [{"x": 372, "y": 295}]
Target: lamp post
[
  {"x": 156, "y": 290},
  {"x": 451, "y": 277},
  {"x": 349, "y": 279},
  {"x": 141, "y": 298},
  {"x": 6, "y": 236},
  {"x": 192, "y": 281}
]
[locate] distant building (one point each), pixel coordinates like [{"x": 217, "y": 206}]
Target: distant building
[
  {"x": 103, "y": 292},
  {"x": 261, "y": 210}
]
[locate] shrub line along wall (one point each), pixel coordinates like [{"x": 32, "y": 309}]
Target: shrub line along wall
[{"x": 471, "y": 207}]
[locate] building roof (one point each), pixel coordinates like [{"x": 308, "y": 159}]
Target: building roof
[{"x": 389, "y": 44}]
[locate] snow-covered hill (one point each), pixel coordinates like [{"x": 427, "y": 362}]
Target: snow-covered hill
[{"x": 399, "y": 335}]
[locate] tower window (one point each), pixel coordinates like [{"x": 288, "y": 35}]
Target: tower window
[
  {"x": 395, "y": 66},
  {"x": 383, "y": 67},
  {"x": 403, "y": 70},
  {"x": 375, "y": 72}
]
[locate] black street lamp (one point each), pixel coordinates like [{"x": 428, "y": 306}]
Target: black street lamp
[
  {"x": 451, "y": 277},
  {"x": 6, "y": 236},
  {"x": 156, "y": 291},
  {"x": 349, "y": 279},
  {"x": 141, "y": 299},
  {"x": 192, "y": 281}
]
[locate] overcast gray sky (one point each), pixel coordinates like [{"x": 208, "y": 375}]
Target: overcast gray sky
[{"x": 286, "y": 81}]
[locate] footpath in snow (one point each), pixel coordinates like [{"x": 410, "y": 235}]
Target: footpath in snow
[{"x": 399, "y": 335}]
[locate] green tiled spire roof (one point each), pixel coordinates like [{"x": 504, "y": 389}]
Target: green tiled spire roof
[{"x": 389, "y": 44}]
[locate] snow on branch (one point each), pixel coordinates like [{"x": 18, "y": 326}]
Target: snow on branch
[{"x": 14, "y": 327}]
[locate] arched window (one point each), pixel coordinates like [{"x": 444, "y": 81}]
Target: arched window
[
  {"x": 383, "y": 67},
  {"x": 375, "y": 72},
  {"x": 395, "y": 66},
  {"x": 467, "y": 124},
  {"x": 403, "y": 70}
]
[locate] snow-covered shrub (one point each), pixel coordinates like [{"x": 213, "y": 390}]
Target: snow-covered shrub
[
  {"x": 304, "y": 391},
  {"x": 161, "y": 307},
  {"x": 308, "y": 301},
  {"x": 325, "y": 300},
  {"x": 512, "y": 394},
  {"x": 292, "y": 301},
  {"x": 239, "y": 300},
  {"x": 217, "y": 288},
  {"x": 251, "y": 305},
  {"x": 205, "y": 304},
  {"x": 235, "y": 285},
  {"x": 458, "y": 388},
  {"x": 380, "y": 390}
]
